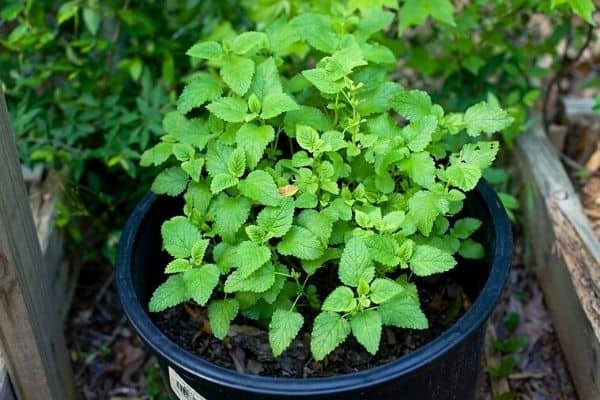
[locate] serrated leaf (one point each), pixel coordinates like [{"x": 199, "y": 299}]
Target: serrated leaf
[
  {"x": 403, "y": 312},
  {"x": 258, "y": 282},
  {"x": 198, "y": 251},
  {"x": 275, "y": 103},
  {"x": 284, "y": 327},
  {"x": 321, "y": 80},
  {"x": 197, "y": 92},
  {"x": 486, "y": 117},
  {"x": 329, "y": 331},
  {"x": 248, "y": 257},
  {"x": 250, "y": 41},
  {"x": 340, "y": 300},
  {"x": 197, "y": 198},
  {"x": 260, "y": 186},
  {"x": 413, "y": 104},
  {"x": 481, "y": 154},
  {"x": 420, "y": 167},
  {"x": 465, "y": 227},
  {"x": 317, "y": 31},
  {"x": 178, "y": 265},
  {"x": 382, "y": 290},
  {"x": 193, "y": 168},
  {"x": 424, "y": 207},
  {"x": 416, "y": 12},
  {"x": 217, "y": 156},
  {"x": 464, "y": 176},
  {"x": 418, "y": 133},
  {"x": 276, "y": 221},
  {"x": 171, "y": 181},
  {"x": 220, "y": 315},
  {"x": 236, "y": 164},
  {"x": 179, "y": 236},
  {"x": 355, "y": 263},
  {"x": 230, "y": 214},
  {"x": 266, "y": 79},
  {"x": 221, "y": 182},
  {"x": 383, "y": 249},
  {"x": 156, "y": 155},
  {"x": 230, "y": 109},
  {"x": 318, "y": 223},
  {"x": 206, "y": 50},
  {"x": 428, "y": 260},
  {"x": 373, "y": 20},
  {"x": 237, "y": 72},
  {"x": 169, "y": 294},
  {"x": 307, "y": 137},
  {"x": 301, "y": 243},
  {"x": 254, "y": 140},
  {"x": 200, "y": 282},
  {"x": 366, "y": 328}
]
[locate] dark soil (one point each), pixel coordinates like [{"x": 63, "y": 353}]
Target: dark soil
[{"x": 247, "y": 350}]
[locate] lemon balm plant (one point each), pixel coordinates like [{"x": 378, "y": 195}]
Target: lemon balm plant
[{"x": 294, "y": 153}]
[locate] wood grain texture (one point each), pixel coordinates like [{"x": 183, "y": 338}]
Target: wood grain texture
[
  {"x": 566, "y": 254},
  {"x": 31, "y": 334}
]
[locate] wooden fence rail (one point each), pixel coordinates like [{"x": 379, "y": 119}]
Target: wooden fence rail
[{"x": 31, "y": 334}]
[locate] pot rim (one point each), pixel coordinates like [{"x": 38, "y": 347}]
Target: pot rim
[{"x": 194, "y": 365}]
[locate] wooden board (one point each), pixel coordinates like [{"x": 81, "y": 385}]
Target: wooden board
[
  {"x": 566, "y": 255},
  {"x": 31, "y": 334}
]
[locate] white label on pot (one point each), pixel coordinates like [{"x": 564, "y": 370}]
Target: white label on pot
[{"x": 181, "y": 388}]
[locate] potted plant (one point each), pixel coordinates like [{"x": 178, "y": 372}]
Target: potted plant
[{"x": 310, "y": 199}]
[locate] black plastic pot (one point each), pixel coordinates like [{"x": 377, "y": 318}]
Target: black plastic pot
[{"x": 445, "y": 368}]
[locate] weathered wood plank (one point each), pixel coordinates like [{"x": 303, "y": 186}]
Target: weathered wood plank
[
  {"x": 31, "y": 335},
  {"x": 566, "y": 255}
]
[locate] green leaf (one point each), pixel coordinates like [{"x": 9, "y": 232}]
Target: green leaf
[
  {"x": 200, "y": 282},
  {"x": 284, "y": 327},
  {"x": 382, "y": 290},
  {"x": 329, "y": 331},
  {"x": 201, "y": 89},
  {"x": 418, "y": 133},
  {"x": 383, "y": 249},
  {"x": 318, "y": 223},
  {"x": 258, "y": 282},
  {"x": 471, "y": 249},
  {"x": 464, "y": 176},
  {"x": 465, "y": 227},
  {"x": 221, "y": 182},
  {"x": 217, "y": 157},
  {"x": 193, "y": 168},
  {"x": 92, "y": 19},
  {"x": 178, "y": 265},
  {"x": 420, "y": 167},
  {"x": 308, "y": 138},
  {"x": 424, "y": 207},
  {"x": 373, "y": 21},
  {"x": 248, "y": 257},
  {"x": 266, "y": 79},
  {"x": 317, "y": 31},
  {"x": 428, "y": 260},
  {"x": 198, "y": 251},
  {"x": 169, "y": 294},
  {"x": 206, "y": 50},
  {"x": 156, "y": 155},
  {"x": 403, "y": 312},
  {"x": 413, "y": 104},
  {"x": 415, "y": 12},
  {"x": 355, "y": 263},
  {"x": 301, "y": 243},
  {"x": 584, "y": 8},
  {"x": 220, "y": 315},
  {"x": 230, "y": 109},
  {"x": 179, "y": 236},
  {"x": 277, "y": 221},
  {"x": 275, "y": 103},
  {"x": 340, "y": 300},
  {"x": 254, "y": 140},
  {"x": 392, "y": 221},
  {"x": 481, "y": 154},
  {"x": 486, "y": 117},
  {"x": 366, "y": 328},
  {"x": 197, "y": 198},
  {"x": 230, "y": 214},
  {"x": 249, "y": 42},
  {"x": 237, "y": 73},
  {"x": 67, "y": 11},
  {"x": 171, "y": 181},
  {"x": 236, "y": 164},
  {"x": 321, "y": 80},
  {"x": 260, "y": 186}
]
